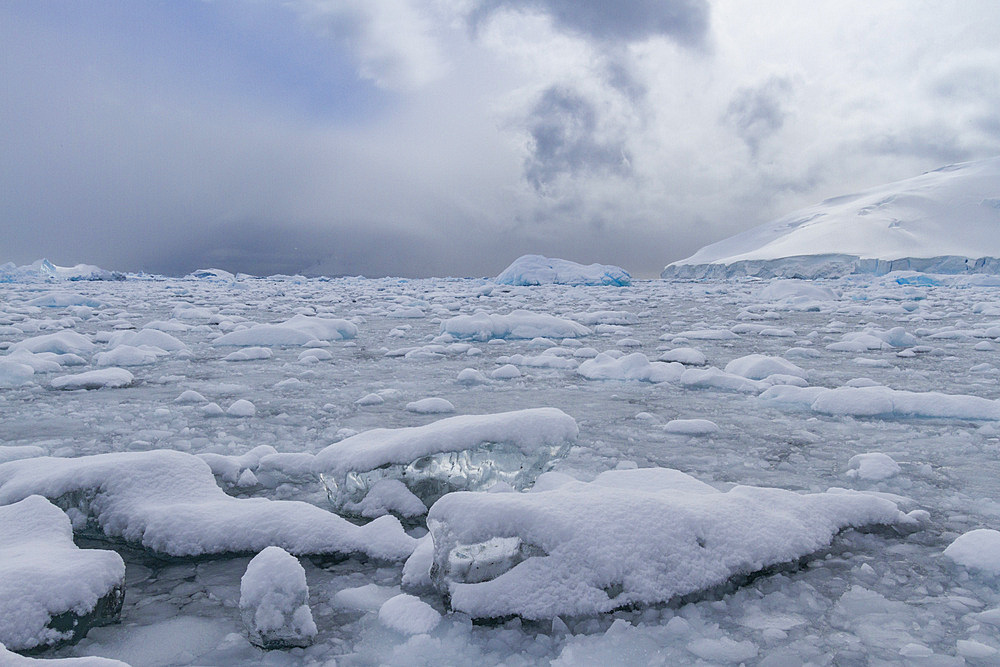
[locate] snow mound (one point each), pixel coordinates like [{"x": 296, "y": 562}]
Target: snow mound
[
  {"x": 587, "y": 548},
  {"x": 874, "y": 466},
  {"x": 463, "y": 452},
  {"x": 759, "y": 367},
  {"x": 518, "y": 324},
  {"x": 61, "y": 342},
  {"x": 299, "y": 330},
  {"x": 879, "y": 401},
  {"x": 943, "y": 221},
  {"x": 51, "y": 591},
  {"x": 408, "y": 614},
  {"x": 274, "y": 601},
  {"x": 977, "y": 550},
  {"x": 635, "y": 366},
  {"x": 111, "y": 378},
  {"x": 538, "y": 270},
  {"x": 169, "y": 502}
]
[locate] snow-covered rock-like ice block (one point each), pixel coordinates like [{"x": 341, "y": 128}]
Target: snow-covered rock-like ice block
[
  {"x": 467, "y": 452},
  {"x": 61, "y": 342},
  {"x": 629, "y": 537},
  {"x": 539, "y": 270},
  {"x": 760, "y": 366},
  {"x": 408, "y": 614},
  {"x": 274, "y": 601},
  {"x": 521, "y": 324},
  {"x": 169, "y": 502},
  {"x": 51, "y": 591},
  {"x": 879, "y": 401},
  {"x": 635, "y": 366}
]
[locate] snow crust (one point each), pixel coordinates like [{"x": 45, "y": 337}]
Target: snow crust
[
  {"x": 582, "y": 553},
  {"x": 539, "y": 270},
  {"x": 943, "y": 221}
]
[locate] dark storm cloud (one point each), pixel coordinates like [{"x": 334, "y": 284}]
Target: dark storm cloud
[
  {"x": 685, "y": 21},
  {"x": 563, "y": 126},
  {"x": 759, "y": 112}
]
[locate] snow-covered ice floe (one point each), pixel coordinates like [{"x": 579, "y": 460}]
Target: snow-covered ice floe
[
  {"x": 169, "y": 502},
  {"x": 298, "y": 330},
  {"x": 629, "y": 537},
  {"x": 521, "y": 324},
  {"x": 539, "y": 270},
  {"x": 467, "y": 452},
  {"x": 51, "y": 591},
  {"x": 880, "y": 401}
]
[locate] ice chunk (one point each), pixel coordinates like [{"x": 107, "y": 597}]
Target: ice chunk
[
  {"x": 99, "y": 379},
  {"x": 539, "y": 270},
  {"x": 874, "y": 466},
  {"x": 606, "y": 545},
  {"x": 249, "y": 354},
  {"x": 517, "y": 324},
  {"x": 635, "y": 366},
  {"x": 150, "y": 337},
  {"x": 759, "y": 366},
  {"x": 430, "y": 406},
  {"x": 467, "y": 452},
  {"x": 61, "y": 342},
  {"x": 470, "y": 376},
  {"x": 274, "y": 601},
  {"x": 127, "y": 355},
  {"x": 51, "y": 591},
  {"x": 11, "y": 659},
  {"x": 977, "y": 550},
  {"x": 241, "y": 408},
  {"x": 299, "y": 330},
  {"x": 408, "y": 614},
  {"x": 169, "y": 502},
  {"x": 14, "y": 373},
  {"x": 691, "y": 427},
  {"x": 689, "y": 356}
]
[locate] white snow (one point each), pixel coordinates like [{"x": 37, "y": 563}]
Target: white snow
[
  {"x": 517, "y": 324},
  {"x": 408, "y": 614},
  {"x": 111, "y": 378},
  {"x": 538, "y": 270},
  {"x": 274, "y": 601},
  {"x": 949, "y": 214},
  {"x": 977, "y": 549},
  {"x": 169, "y": 502},
  {"x": 431, "y": 406},
  {"x": 583, "y": 548},
  {"x": 873, "y": 466},
  {"x": 44, "y": 574}
]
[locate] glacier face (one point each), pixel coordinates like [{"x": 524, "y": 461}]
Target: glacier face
[{"x": 943, "y": 221}]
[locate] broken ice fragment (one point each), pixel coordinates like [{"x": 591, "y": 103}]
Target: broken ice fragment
[
  {"x": 274, "y": 601},
  {"x": 465, "y": 453}
]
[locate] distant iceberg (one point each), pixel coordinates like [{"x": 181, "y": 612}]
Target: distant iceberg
[
  {"x": 43, "y": 270},
  {"x": 538, "y": 270},
  {"x": 944, "y": 221}
]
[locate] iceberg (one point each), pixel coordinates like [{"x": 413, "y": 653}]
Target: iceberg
[{"x": 529, "y": 270}]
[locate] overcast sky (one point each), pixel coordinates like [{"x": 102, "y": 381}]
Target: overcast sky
[{"x": 448, "y": 137}]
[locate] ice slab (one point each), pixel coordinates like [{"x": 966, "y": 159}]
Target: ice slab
[
  {"x": 169, "y": 502},
  {"x": 467, "y": 452},
  {"x": 586, "y": 548}
]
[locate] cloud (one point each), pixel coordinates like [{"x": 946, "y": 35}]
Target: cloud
[
  {"x": 759, "y": 112},
  {"x": 563, "y": 126},
  {"x": 685, "y": 21}
]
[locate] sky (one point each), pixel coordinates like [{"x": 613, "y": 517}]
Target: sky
[{"x": 448, "y": 137}]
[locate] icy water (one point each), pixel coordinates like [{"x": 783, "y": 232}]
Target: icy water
[{"x": 871, "y": 598}]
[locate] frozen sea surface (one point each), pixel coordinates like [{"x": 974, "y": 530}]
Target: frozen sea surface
[{"x": 883, "y": 596}]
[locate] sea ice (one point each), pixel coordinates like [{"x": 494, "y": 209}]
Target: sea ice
[
  {"x": 538, "y": 270},
  {"x": 977, "y": 549}
]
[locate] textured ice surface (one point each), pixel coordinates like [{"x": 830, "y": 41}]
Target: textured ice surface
[{"x": 868, "y": 598}]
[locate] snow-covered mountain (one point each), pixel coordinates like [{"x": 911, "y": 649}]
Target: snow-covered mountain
[{"x": 945, "y": 221}]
